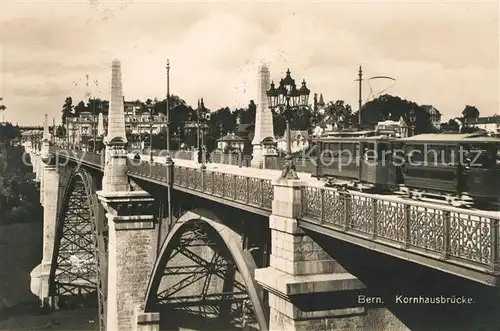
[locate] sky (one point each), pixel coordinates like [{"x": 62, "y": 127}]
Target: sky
[{"x": 440, "y": 53}]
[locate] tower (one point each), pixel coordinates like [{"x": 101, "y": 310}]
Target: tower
[
  {"x": 264, "y": 128},
  {"x": 115, "y": 168}
]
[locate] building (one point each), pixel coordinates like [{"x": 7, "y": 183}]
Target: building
[
  {"x": 299, "y": 141},
  {"x": 81, "y": 129},
  {"x": 434, "y": 115},
  {"x": 490, "y": 124},
  {"x": 230, "y": 142}
]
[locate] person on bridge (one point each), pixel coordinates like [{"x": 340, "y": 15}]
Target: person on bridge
[{"x": 199, "y": 155}]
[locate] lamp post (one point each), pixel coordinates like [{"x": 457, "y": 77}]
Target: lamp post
[
  {"x": 203, "y": 118},
  {"x": 94, "y": 125},
  {"x": 167, "y": 111},
  {"x": 151, "y": 133},
  {"x": 287, "y": 96},
  {"x": 178, "y": 138},
  {"x": 413, "y": 119}
]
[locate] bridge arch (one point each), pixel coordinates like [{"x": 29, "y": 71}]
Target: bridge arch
[
  {"x": 79, "y": 258},
  {"x": 191, "y": 228}
]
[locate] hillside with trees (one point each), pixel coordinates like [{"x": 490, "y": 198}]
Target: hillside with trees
[{"x": 19, "y": 197}]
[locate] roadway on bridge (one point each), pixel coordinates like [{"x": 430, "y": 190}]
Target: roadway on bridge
[
  {"x": 234, "y": 169},
  {"x": 305, "y": 177}
]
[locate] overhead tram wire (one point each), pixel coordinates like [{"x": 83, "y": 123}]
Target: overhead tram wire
[{"x": 372, "y": 94}]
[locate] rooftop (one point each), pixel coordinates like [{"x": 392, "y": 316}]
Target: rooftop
[
  {"x": 444, "y": 136},
  {"x": 231, "y": 137}
]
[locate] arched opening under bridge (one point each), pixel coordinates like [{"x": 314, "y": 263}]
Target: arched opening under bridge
[
  {"x": 203, "y": 279},
  {"x": 78, "y": 275}
]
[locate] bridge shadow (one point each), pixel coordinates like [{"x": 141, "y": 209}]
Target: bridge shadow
[
  {"x": 176, "y": 320},
  {"x": 393, "y": 280}
]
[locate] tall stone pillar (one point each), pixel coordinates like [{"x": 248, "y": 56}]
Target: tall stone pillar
[
  {"x": 49, "y": 193},
  {"x": 38, "y": 166},
  {"x": 299, "y": 268},
  {"x": 34, "y": 164},
  {"x": 50, "y": 201},
  {"x": 264, "y": 128},
  {"x": 131, "y": 223}
]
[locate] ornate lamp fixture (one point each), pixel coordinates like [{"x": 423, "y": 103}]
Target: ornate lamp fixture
[{"x": 290, "y": 98}]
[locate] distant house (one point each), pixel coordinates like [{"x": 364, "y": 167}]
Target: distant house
[
  {"x": 434, "y": 114},
  {"x": 300, "y": 141},
  {"x": 231, "y": 142},
  {"x": 488, "y": 123}
]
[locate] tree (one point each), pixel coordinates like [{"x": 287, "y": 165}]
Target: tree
[
  {"x": 60, "y": 131},
  {"x": 18, "y": 196},
  {"x": 67, "y": 109},
  {"x": 247, "y": 115},
  {"x": 470, "y": 114},
  {"x": 97, "y": 106},
  {"x": 8, "y": 133},
  {"x": 388, "y": 107},
  {"x": 279, "y": 122},
  {"x": 339, "y": 112},
  {"x": 222, "y": 117},
  {"x": 79, "y": 108},
  {"x": 450, "y": 126},
  {"x": 2, "y": 107}
]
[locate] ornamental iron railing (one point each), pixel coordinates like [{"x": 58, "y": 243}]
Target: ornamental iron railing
[
  {"x": 461, "y": 235},
  {"x": 252, "y": 191},
  {"x": 465, "y": 237}
]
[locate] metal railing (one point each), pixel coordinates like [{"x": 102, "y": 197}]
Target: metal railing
[
  {"x": 252, "y": 191},
  {"x": 465, "y": 237},
  {"x": 461, "y": 235}
]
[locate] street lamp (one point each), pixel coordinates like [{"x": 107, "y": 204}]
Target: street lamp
[
  {"x": 203, "y": 118},
  {"x": 151, "y": 133},
  {"x": 94, "y": 125},
  {"x": 287, "y": 96},
  {"x": 412, "y": 118},
  {"x": 167, "y": 111}
]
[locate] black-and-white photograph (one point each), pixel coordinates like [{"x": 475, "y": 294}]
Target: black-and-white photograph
[{"x": 250, "y": 165}]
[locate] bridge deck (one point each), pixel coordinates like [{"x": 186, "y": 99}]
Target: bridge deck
[
  {"x": 459, "y": 241},
  {"x": 231, "y": 169}
]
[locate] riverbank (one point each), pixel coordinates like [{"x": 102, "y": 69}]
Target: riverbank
[{"x": 20, "y": 252}]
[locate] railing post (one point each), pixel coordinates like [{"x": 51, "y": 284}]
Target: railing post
[
  {"x": 261, "y": 190},
  {"x": 223, "y": 184},
  {"x": 247, "y": 189},
  {"x": 375, "y": 218},
  {"x": 212, "y": 179},
  {"x": 321, "y": 204},
  {"x": 446, "y": 234},
  {"x": 407, "y": 218},
  {"x": 234, "y": 187},
  {"x": 203, "y": 181},
  {"x": 346, "y": 210},
  {"x": 495, "y": 258}
]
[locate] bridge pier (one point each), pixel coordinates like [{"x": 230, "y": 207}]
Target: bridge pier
[
  {"x": 49, "y": 194},
  {"x": 302, "y": 274},
  {"x": 147, "y": 321},
  {"x": 50, "y": 200},
  {"x": 35, "y": 164},
  {"x": 131, "y": 255},
  {"x": 131, "y": 225}
]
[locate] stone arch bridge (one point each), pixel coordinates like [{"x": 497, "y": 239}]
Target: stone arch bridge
[
  {"x": 167, "y": 245},
  {"x": 249, "y": 252}
]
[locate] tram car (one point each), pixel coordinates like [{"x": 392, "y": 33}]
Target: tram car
[
  {"x": 358, "y": 160},
  {"x": 459, "y": 168}
]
